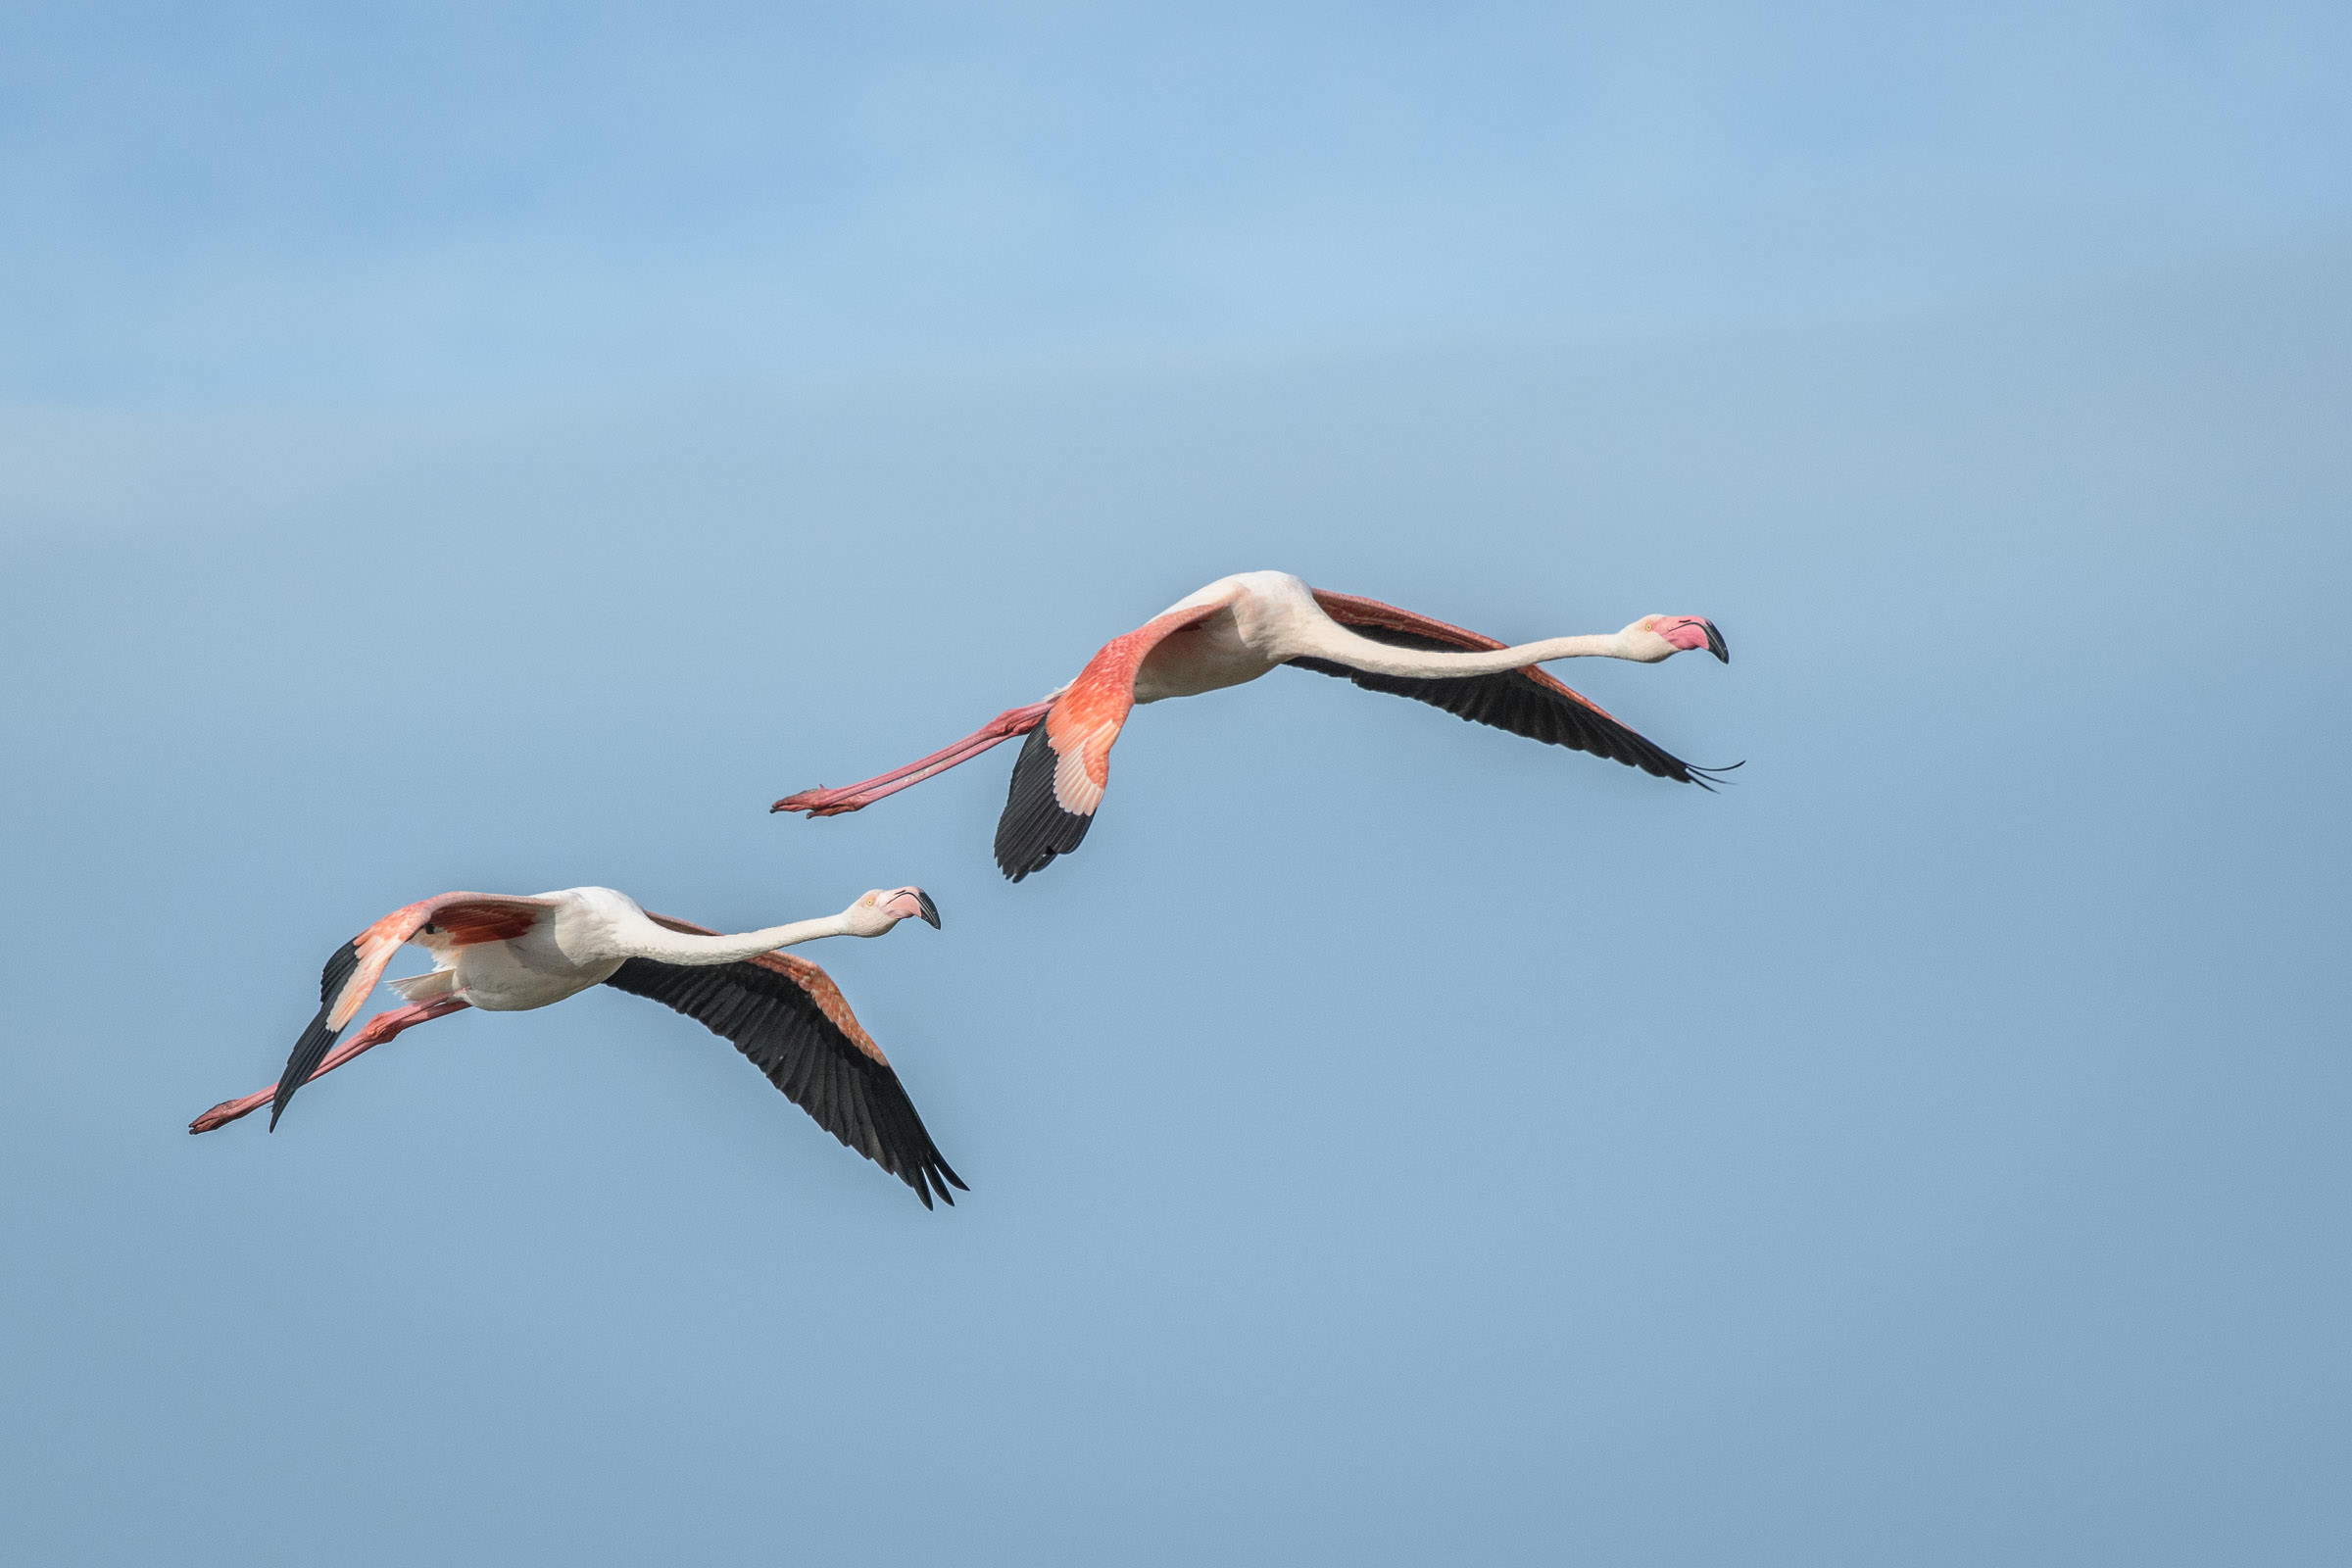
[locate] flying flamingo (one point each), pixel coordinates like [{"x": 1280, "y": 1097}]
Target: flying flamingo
[
  {"x": 507, "y": 954},
  {"x": 1237, "y": 629}
]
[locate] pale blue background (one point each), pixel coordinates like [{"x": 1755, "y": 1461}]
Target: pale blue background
[{"x": 506, "y": 448}]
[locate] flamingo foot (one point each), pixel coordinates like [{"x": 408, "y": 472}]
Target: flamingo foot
[
  {"x": 823, "y": 802},
  {"x": 229, "y": 1111}
]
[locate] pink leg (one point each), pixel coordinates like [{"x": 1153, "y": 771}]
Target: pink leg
[
  {"x": 378, "y": 1029},
  {"x": 851, "y": 796}
]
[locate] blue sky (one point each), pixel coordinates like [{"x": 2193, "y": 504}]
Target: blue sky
[
  {"x": 506, "y": 448},
  {"x": 250, "y": 203}
]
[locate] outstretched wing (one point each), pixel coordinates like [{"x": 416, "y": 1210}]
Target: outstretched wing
[
  {"x": 455, "y": 920},
  {"x": 1065, "y": 764},
  {"x": 791, "y": 1020},
  {"x": 1526, "y": 702}
]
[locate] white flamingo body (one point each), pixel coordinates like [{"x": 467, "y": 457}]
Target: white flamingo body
[
  {"x": 563, "y": 954},
  {"x": 1257, "y": 614}
]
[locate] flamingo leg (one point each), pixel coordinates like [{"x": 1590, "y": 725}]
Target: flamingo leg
[
  {"x": 378, "y": 1029},
  {"x": 1012, "y": 722}
]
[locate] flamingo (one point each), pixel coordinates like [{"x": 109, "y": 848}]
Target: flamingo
[
  {"x": 1237, "y": 629},
  {"x": 511, "y": 954}
]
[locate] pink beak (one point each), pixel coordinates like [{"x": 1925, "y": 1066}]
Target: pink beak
[
  {"x": 912, "y": 904},
  {"x": 1696, "y": 632}
]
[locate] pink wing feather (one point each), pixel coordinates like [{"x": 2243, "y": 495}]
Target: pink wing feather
[
  {"x": 455, "y": 920},
  {"x": 1066, "y": 764}
]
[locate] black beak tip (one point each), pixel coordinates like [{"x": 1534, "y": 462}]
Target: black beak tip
[
  {"x": 1715, "y": 643},
  {"x": 930, "y": 910}
]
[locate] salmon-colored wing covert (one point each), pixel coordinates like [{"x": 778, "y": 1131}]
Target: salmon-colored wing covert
[{"x": 1065, "y": 762}]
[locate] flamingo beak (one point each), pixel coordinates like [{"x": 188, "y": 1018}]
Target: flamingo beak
[
  {"x": 1715, "y": 642},
  {"x": 923, "y": 909}
]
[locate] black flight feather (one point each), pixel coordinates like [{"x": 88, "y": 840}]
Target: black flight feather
[
  {"x": 1035, "y": 828},
  {"x": 781, "y": 1029},
  {"x": 319, "y": 1039}
]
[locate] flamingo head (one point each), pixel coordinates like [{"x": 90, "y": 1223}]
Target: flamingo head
[
  {"x": 877, "y": 912},
  {"x": 1653, "y": 638}
]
